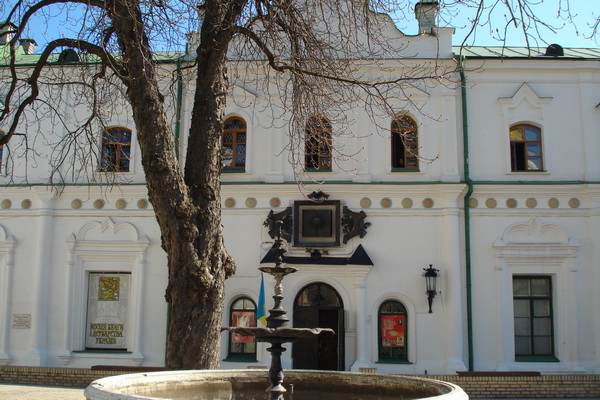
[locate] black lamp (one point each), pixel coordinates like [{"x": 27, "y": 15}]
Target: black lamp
[{"x": 431, "y": 275}]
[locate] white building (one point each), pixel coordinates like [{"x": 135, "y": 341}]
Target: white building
[{"x": 503, "y": 200}]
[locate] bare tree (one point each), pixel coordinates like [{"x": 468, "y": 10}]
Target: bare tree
[{"x": 312, "y": 54}]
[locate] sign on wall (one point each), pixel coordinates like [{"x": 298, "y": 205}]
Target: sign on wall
[
  {"x": 21, "y": 321},
  {"x": 242, "y": 319},
  {"x": 108, "y": 307},
  {"x": 392, "y": 330}
]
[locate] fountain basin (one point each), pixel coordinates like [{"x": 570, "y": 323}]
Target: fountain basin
[{"x": 250, "y": 384}]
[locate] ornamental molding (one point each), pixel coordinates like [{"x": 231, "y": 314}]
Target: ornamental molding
[
  {"x": 529, "y": 242},
  {"x": 106, "y": 236},
  {"x": 527, "y": 94}
]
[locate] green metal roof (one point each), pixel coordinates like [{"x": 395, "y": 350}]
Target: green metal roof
[
  {"x": 487, "y": 52},
  {"x": 524, "y": 52},
  {"x": 30, "y": 59}
]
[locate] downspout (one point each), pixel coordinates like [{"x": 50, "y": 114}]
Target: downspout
[
  {"x": 469, "y": 182},
  {"x": 176, "y": 143},
  {"x": 178, "y": 105}
]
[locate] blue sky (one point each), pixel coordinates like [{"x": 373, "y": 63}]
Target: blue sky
[
  {"x": 585, "y": 12},
  {"x": 576, "y": 34}
]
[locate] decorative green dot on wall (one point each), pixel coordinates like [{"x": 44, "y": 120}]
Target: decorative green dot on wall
[
  {"x": 365, "y": 202},
  {"x": 250, "y": 202},
  {"x": 491, "y": 203},
  {"x": 511, "y": 203},
  {"x": 26, "y": 204},
  {"x": 229, "y": 202},
  {"x": 531, "y": 202},
  {"x": 6, "y": 204},
  {"x": 407, "y": 203},
  {"x": 386, "y": 202},
  {"x": 473, "y": 202},
  {"x": 553, "y": 202},
  {"x": 142, "y": 204},
  {"x": 428, "y": 203},
  {"x": 275, "y": 202},
  {"x": 121, "y": 204},
  {"x": 98, "y": 204},
  {"x": 574, "y": 203}
]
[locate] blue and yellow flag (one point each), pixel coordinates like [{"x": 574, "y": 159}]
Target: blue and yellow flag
[{"x": 261, "y": 313}]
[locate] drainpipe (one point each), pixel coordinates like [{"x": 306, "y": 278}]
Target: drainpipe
[
  {"x": 176, "y": 143},
  {"x": 178, "y": 105},
  {"x": 463, "y": 87}
]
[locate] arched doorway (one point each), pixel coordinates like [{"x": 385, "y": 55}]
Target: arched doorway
[{"x": 319, "y": 305}]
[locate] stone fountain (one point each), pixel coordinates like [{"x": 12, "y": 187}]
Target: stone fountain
[
  {"x": 249, "y": 384},
  {"x": 277, "y": 331}
]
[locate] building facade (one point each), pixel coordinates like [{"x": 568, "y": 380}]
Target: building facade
[{"x": 494, "y": 181}]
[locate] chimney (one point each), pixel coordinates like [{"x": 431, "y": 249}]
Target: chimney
[
  {"x": 7, "y": 31},
  {"x": 426, "y": 12},
  {"x": 28, "y": 45}
]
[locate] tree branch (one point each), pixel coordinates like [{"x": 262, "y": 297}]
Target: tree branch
[{"x": 107, "y": 60}]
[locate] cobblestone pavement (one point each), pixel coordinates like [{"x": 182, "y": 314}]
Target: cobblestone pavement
[{"x": 17, "y": 392}]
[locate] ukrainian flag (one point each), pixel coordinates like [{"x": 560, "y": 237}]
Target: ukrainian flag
[{"x": 261, "y": 313}]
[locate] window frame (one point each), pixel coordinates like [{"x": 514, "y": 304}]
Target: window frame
[
  {"x": 519, "y": 149},
  {"x": 381, "y": 358},
  {"x": 234, "y": 143},
  {"x": 125, "y": 326},
  {"x": 531, "y": 298},
  {"x": 322, "y": 130},
  {"x": 108, "y": 165},
  {"x": 399, "y": 143},
  {"x": 236, "y": 355}
]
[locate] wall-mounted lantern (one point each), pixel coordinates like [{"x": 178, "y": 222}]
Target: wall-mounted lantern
[{"x": 431, "y": 275}]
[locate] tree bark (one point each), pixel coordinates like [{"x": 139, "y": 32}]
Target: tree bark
[{"x": 188, "y": 208}]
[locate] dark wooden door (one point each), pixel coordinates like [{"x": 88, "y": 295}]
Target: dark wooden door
[{"x": 319, "y": 306}]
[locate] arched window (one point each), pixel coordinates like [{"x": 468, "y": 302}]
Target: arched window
[
  {"x": 242, "y": 313},
  {"x": 393, "y": 342},
  {"x": 526, "y": 148},
  {"x": 116, "y": 150},
  {"x": 318, "y": 144},
  {"x": 234, "y": 144},
  {"x": 405, "y": 143}
]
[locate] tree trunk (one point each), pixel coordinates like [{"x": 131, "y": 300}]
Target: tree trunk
[{"x": 188, "y": 209}]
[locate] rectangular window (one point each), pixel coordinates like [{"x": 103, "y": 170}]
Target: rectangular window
[
  {"x": 533, "y": 318},
  {"x": 108, "y": 308}
]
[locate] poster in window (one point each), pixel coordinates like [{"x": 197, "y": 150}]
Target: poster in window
[
  {"x": 108, "y": 307},
  {"x": 242, "y": 319},
  {"x": 392, "y": 330}
]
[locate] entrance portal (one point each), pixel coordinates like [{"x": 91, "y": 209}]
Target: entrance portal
[{"x": 319, "y": 306}]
